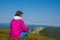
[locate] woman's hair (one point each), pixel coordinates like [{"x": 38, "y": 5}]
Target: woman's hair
[{"x": 18, "y": 13}]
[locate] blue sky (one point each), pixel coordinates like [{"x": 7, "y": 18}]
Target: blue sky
[{"x": 44, "y": 12}]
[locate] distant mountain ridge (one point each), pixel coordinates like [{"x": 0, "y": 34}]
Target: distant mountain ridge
[
  {"x": 32, "y": 26},
  {"x": 7, "y": 25}
]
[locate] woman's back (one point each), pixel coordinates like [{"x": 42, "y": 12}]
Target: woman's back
[{"x": 15, "y": 28}]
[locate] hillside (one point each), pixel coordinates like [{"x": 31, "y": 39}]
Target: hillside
[
  {"x": 31, "y": 36},
  {"x": 51, "y": 31}
]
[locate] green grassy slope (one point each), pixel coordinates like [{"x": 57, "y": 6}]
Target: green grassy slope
[{"x": 31, "y": 36}]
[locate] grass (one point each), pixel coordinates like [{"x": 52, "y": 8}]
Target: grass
[{"x": 31, "y": 36}]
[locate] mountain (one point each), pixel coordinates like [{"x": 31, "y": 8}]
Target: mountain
[
  {"x": 48, "y": 31},
  {"x": 51, "y": 31},
  {"x": 4, "y": 25}
]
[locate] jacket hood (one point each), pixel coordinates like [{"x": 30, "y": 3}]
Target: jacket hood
[{"x": 17, "y": 17}]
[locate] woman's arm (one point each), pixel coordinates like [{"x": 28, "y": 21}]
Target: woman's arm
[{"x": 23, "y": 26}]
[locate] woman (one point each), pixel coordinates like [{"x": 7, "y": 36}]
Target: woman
[{"x": 17, "y": 26}]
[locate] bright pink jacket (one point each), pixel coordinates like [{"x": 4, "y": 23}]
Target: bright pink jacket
[{"x": 16, "y": 27}]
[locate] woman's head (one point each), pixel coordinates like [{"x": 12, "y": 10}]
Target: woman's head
[{"x": 19, "y": 13}]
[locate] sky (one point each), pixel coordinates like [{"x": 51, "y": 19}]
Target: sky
[{"x": 42, "y": 12}]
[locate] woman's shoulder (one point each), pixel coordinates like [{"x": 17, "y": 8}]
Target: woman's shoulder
[
  {"x": 18, "y": 20},
  {"x": 21, "y": 20}
]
